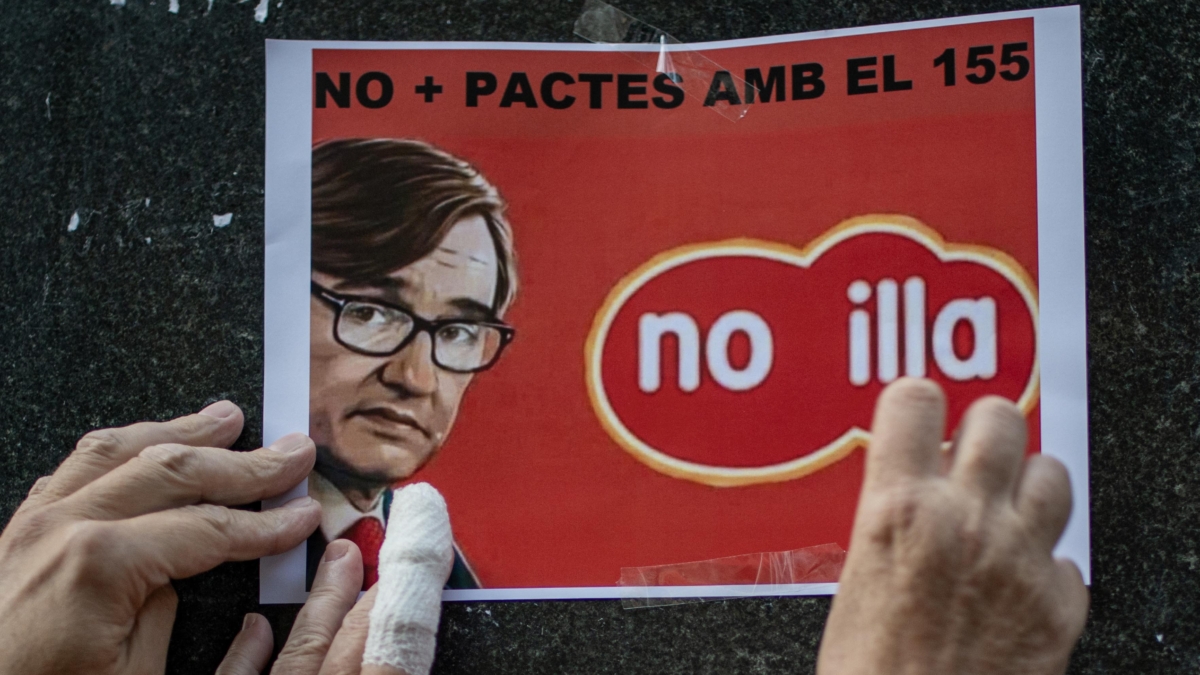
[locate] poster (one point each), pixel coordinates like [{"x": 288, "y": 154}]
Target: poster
[{"x": 629, "y": 306}]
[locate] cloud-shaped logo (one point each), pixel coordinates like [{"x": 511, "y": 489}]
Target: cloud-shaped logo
[{"x": 745, "y": 361}]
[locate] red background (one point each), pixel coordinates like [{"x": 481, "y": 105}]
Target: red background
[{"x": 539, "y": 494}]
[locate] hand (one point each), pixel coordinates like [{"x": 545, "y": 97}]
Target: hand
[
  {"x": 87, "y": 560},
  {"x": 330, "y": 631},
  {"x": 950, "y": 568},
  {"x": 391, "y": 630}
]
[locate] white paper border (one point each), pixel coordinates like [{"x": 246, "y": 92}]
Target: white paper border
[
  {"x": 1062, "y": 277},
  {"x": 1061, "y": 274},
  {"x": 288, "y": 198}
]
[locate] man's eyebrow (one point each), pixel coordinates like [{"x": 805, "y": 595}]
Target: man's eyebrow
[
  {"x": 383, "y": 282},
  {"x": 388, "y": 287},
  {"x": 473, "y": 309},
  {"x": 470, "y": 308},
  {"x": 472, "y": 258}
]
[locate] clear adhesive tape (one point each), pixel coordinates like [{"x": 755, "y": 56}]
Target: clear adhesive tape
[
  {"x": 812, "y": 565},
  {"x": 691, "y": 70}
]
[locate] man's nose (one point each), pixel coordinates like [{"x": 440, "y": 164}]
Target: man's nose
[{"x": 412, "y": 368}]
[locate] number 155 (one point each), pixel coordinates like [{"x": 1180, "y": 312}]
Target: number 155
[{"x": 979, "y": 61}]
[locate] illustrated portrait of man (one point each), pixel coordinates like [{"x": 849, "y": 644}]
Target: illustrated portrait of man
[{"x": 412, "y": 271}]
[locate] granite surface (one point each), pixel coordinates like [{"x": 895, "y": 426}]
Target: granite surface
[{"x": 147, "y": 123}]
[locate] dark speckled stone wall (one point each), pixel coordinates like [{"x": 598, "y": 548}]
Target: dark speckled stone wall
[{"x": 147, "y": 123}]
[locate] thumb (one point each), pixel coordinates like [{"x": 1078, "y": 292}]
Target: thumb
[
  {"x": 152, "y": 632},
  {"x": 251, "y": 649},
  {"x": 414, "y": 564}
]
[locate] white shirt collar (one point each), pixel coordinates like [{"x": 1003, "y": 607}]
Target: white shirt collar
[{"x": 337, "y": 513}]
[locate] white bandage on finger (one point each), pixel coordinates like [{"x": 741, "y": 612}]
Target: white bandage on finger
[{"x": 414, "y": 563}]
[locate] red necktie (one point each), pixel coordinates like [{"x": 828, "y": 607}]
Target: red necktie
[{"x": 367, "y": 533}]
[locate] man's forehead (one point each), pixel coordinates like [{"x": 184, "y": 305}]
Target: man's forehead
[
  {"x": 468, "y": 248},
  {"x": 462, "y": 268}
]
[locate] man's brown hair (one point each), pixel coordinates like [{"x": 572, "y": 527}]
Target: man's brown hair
[{"x": 379, "y": 205}]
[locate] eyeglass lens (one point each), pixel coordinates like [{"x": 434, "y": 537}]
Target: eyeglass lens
[{"x": 377, "y": 329}]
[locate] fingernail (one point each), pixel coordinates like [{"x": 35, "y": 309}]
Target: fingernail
[
  {"x": 291, "y": 443},
  {"x": 249, "y": 621},
  {"x": 299, "y": 503},
  {"x": 220, "y": 410},
  {"x": 336, "y": 549}
]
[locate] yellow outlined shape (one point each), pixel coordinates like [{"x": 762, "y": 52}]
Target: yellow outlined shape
[{"x": 852, "y": 439}]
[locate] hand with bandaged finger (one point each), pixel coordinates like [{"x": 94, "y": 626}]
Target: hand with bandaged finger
[{"x": 392, "y": 630}]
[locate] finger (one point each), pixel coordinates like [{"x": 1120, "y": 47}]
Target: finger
[
  {"x": 152, "y": 632},
  {"x": 183, "y": 542},
  {"x": 251, "y": 648},
  {"x": 103, "y": 450},
  {"x": 1073, "y": 598},
  {"x": 414, "y": 564},
  {"x": 346, "y": 653},
  {"x": 1064, "y": 616},
  {"x": 383, "y": 669},
  {"x": 169, "y": 476},
  {"x": 38, "y": 487},
  {"x": 35, "y": 497},
  {"x": 990, "y": 449},
  {"x": 907, "y": 432},
  {"x": 335, "y": 588},
  {"x": 1043, "y": 499}
]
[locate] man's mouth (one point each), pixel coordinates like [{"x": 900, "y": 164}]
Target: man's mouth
[{"x": 388, "y": 416}]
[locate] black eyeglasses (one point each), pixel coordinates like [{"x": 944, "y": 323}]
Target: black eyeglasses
[{"x": 376, "y": 328}]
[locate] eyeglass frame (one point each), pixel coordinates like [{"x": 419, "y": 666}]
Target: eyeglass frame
[{"x": 338, "y": 302}]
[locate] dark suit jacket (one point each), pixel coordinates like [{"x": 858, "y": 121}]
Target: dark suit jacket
[{"x": 461, "y": 576}]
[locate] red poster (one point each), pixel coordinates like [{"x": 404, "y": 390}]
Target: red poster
[{"x": 631, "y": 307}]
